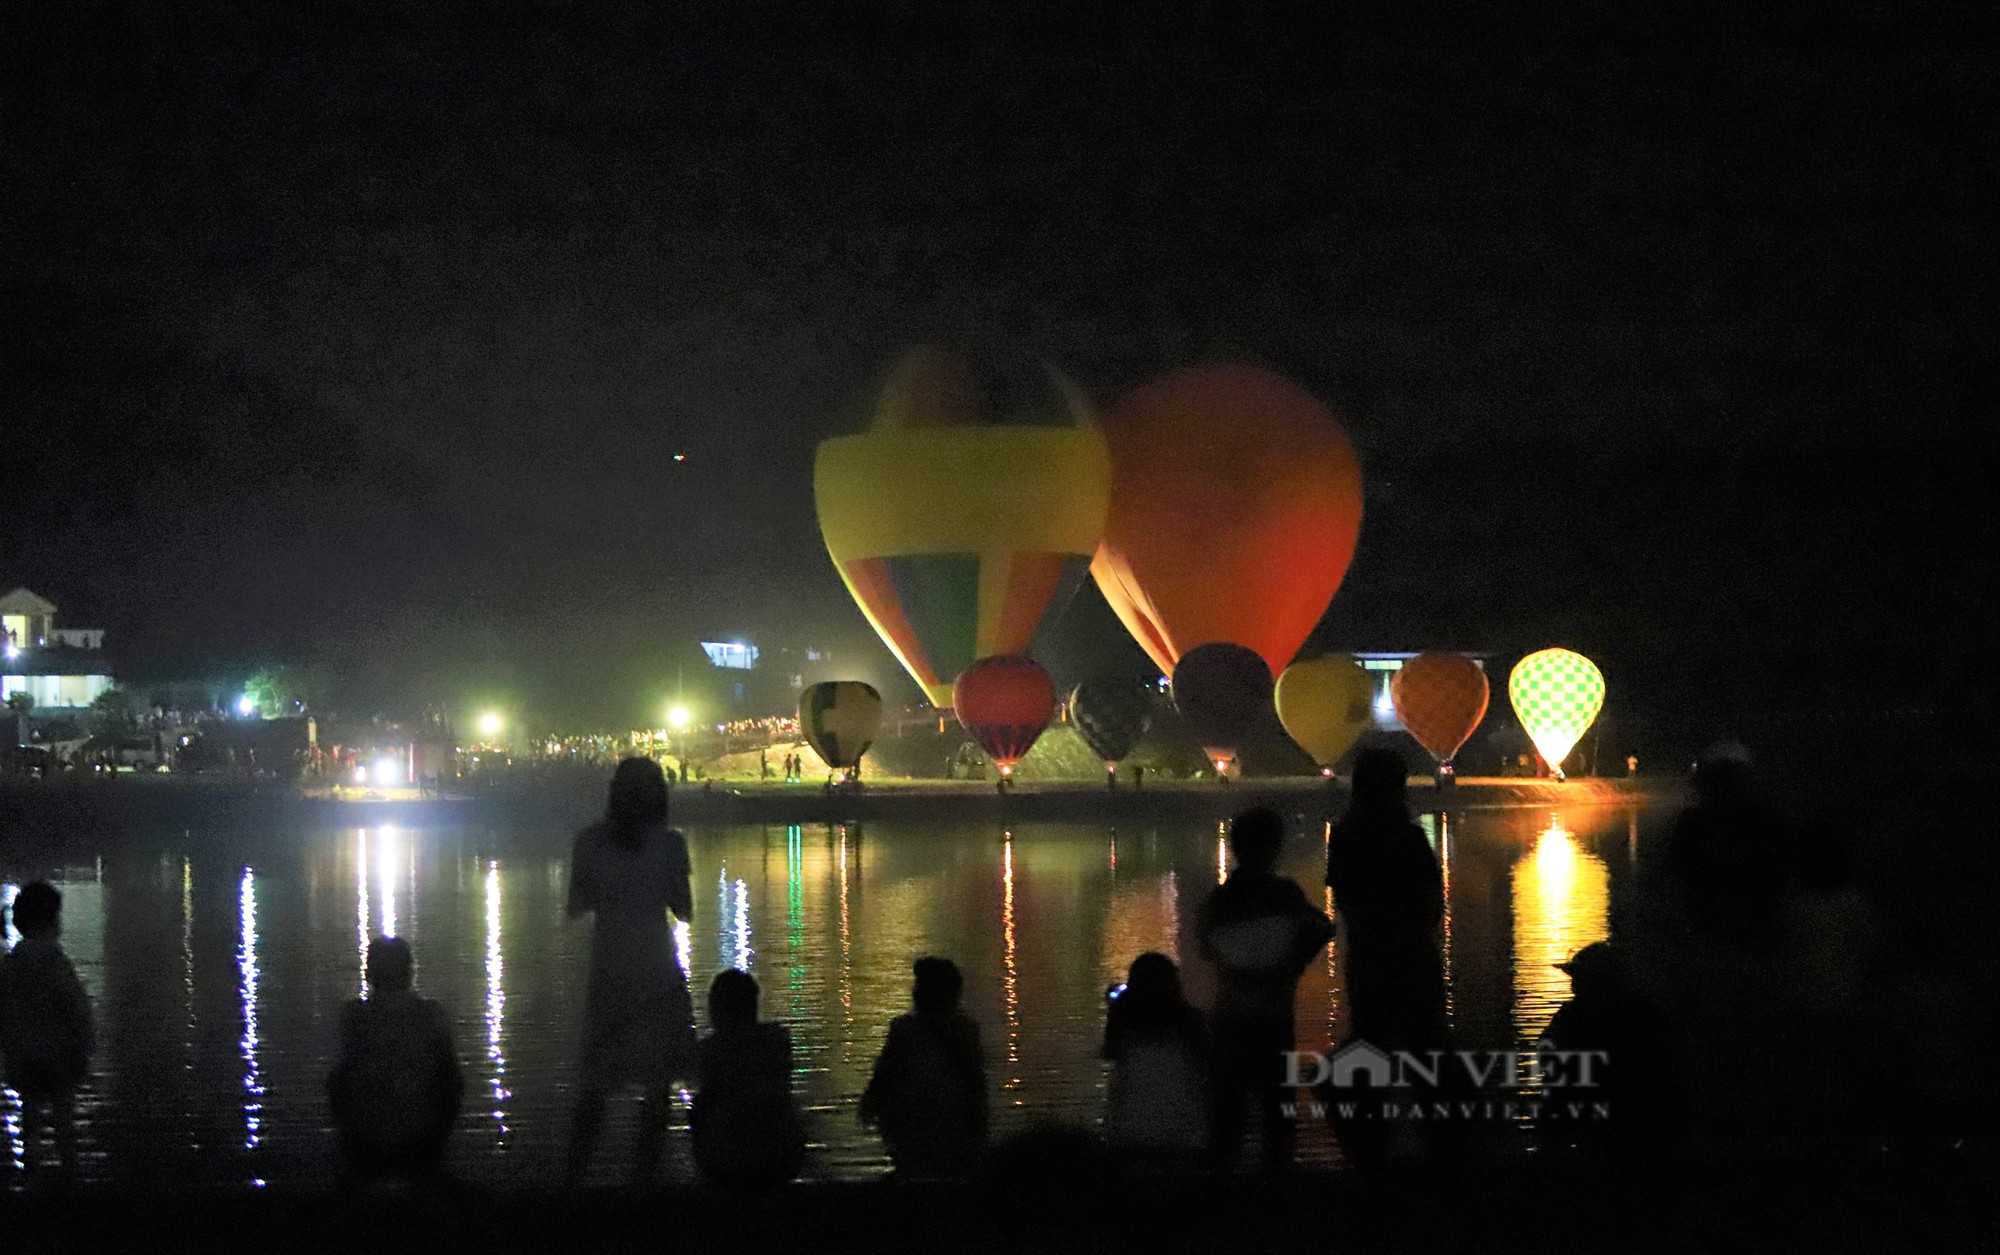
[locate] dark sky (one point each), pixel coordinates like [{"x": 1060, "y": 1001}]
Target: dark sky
[{"x": 367, "y": 335}]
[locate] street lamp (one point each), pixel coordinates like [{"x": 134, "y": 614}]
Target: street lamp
[{"x": 490, "y": 724}]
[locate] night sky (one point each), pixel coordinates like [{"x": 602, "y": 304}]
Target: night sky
[{"x": 367, "y": 336}]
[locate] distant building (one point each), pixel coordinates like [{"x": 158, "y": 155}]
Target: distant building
[{"x": 58, "y": 668}]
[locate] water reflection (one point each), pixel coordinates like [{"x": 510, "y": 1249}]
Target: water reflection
[
  {"x": 247, "y": 975},
  {"x": 496, "y": 1006},
  {"x": 1011, "y": 977},
  {"x": 389, "y": 859},
  {"x": 1562, "y": 899},
  {"x": 1523, "y": 893},
  {"x": 17, "y": 1150},
  {"x": 361, "y": 910}
]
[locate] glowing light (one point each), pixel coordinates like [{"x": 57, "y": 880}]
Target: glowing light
[
  {"x": 388, "y": 771},
  {"x": 246, "y": 705},
  {"x": 496, "y": 1003},
  {"x": 1006, "y": 769},
  {"x": 360, "y": 774},
  {"x": 490, "y": 724},
  {"x": 7, "y": 892},
  {"x": 13, "y": 652},
  {"x": 678, "y": 718},
  {"x": 1562, "y": 901},
  {"x": 1221, "y": 853},
  {"x": 247, "y": 977},
  {"x": 1556, "y": 694}
]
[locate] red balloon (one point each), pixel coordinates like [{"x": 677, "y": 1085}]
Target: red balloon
[
  {"x": 1224, "y": 692},
  {"x": 1440, "y": 697},
  {"x": 1235, "y": 508},
  {"x": 1004, "y": 702}
]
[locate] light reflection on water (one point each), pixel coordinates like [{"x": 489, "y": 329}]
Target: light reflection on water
[
  {"x": 234, "y": 976},
  {"x": 247, "y": 974},
  {"x": 1562, "y": 903}
]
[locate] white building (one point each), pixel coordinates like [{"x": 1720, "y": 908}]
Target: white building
[{"x": 58, "y": 668}]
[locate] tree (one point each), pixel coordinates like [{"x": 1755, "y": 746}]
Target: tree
[
  {"x": 286, "y": 690},
  {"x": 20, "y": 703}
]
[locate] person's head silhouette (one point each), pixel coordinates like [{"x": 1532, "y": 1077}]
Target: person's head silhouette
[
  {"x": 1255, "y": 836},
  {"x": 38, "y": 911},
  {"x": 938, "y": 986},
  {"x": 638, "y": 798},
  {"x": 1381, "y": 783},
  {"x": 391, "y": 965},
  {"x": 732, "y": 999}
]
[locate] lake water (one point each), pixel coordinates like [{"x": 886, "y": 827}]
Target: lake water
[{"x": 219, "y": 962}]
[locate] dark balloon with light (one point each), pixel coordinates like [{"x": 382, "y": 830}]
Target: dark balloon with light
[
  {"x": 1223, "y": 691},
  {"x": 1111, "y": 715}
]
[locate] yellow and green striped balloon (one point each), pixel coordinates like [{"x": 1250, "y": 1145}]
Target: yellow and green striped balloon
[
  {"x": 1557, "y": 694},
  {"x": 966, "y": 510}
]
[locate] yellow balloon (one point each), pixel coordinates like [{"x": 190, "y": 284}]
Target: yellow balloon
[
  {"x": 1326, "y": 704},
  {"x": 969, "y": 507}
]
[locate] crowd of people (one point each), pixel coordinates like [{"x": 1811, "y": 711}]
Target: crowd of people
[{"x": 1185, "y": 1085}]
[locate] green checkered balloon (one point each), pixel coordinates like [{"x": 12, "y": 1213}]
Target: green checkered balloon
[{"x": 1556, "y": 695}]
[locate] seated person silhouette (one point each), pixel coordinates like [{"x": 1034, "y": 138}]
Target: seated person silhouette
[
  {"x": 745, "y": 1125},
  {"x": 1156, "y": 1105},
  {"x": 928, "y": 1090},
  {"x": 46, "y": 1029},
  {"x": 396, "y": 1086}
]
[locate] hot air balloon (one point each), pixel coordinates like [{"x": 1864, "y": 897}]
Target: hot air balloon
[
  {"x": 1440, "y": 698},
  {"x": 1223, "y": 691},
  {"x": 840, "y": 719},
  {"x": 1556, "y": 695},
  {"x": 1235, "y": 506},
  {"x": 1325, "y": 705},
  {"x": 1004, "y": 703},
  {"x": 1111, "y": 715},
  {"x": 969, "y": 507}
]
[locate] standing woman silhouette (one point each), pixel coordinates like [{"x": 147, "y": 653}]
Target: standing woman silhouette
[{"x": 627, "y": 872}]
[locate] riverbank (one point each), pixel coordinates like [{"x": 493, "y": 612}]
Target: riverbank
[
  {"x": 1873, "y": 1203},
  {"x": 133, "y": 803}
]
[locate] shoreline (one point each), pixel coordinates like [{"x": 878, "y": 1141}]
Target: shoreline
[{"x": 143, "y": 802}]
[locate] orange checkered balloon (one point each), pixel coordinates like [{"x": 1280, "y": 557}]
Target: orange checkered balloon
[{"x": 1440, "y": 697}]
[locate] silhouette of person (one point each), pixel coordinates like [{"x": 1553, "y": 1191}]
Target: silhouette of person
[
  {"x": 1156, "y": 1105},
  {"x": 1388, "y": 894},
  {"x": 1259, "y": 932},
  {"x": 1608, "y": 1064},
  {"x": 928, "y": 1090},
  {"x": 396, "y": 1086},
  {"x": 628, "y": 871},
  {"x": 745, "y": 1125},
  {"x": 1727, "y": 854},
  {"x": 47, "y": 1032}
]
